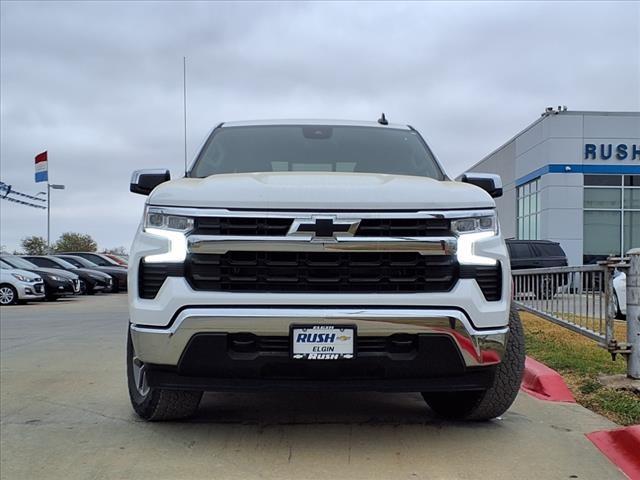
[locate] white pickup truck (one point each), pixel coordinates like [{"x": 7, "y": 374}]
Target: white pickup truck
[{"x": 320, "y": 255}]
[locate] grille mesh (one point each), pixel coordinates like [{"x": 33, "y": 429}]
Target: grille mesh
[
  {"x": 389, "y": 227},
  {"x": 362, "y": 272},
  {"x": 242, "y": 226},
  {"x": 404, "y": 227}
]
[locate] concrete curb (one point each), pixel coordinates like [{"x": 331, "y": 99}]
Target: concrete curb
[
  {"x": 621, "y": 446},
  {"x": 545, "y": 383}
]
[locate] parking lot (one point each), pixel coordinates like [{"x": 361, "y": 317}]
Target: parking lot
[{"x": 65, "y": 414}]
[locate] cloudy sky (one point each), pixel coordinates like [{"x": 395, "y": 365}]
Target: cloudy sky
[{"x": 99, "y": 85}]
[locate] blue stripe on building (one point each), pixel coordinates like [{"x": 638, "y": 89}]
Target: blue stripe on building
[{"x": 579, "y": 168}]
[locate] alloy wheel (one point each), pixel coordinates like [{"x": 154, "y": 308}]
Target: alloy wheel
[
  {"x": 140, "y": 376},
  {"x": 7, "y": 296}
]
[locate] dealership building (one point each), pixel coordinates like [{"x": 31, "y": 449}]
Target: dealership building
[{"x": 572, "y": 177}]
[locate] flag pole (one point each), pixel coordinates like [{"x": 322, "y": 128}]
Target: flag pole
[
  {"x": 48, "y": 215},
  {"x": 184, "y": 107}
]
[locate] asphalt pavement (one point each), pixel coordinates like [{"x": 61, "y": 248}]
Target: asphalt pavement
[{"x": 64, "y": 413}]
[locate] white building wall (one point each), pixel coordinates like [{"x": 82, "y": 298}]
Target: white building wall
[
  {"x": 561, "y": 201},
  {"x": 502, "y": 161},
  {"x": 559, "y": 140}
]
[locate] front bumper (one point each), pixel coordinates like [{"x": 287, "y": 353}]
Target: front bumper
[
  {"x": 166, "y": 345},
  {"x": 60, "y": 288},
  {"x": 100, "y": 285},
  {"x": 30, "y": 291},
  {"x": 122, "y": 282}
]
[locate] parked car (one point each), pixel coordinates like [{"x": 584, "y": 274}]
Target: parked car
[
  {"x": 620, "y": 294},
  {"x": 535, "y": 254},
  {"x": 57, "y": 283},
  {"x": 118, "y": 274},
  {"x": 538, "y": 254},
  {"x": 18, "y": 285},
  {"x": 121, "y": 260},
  {"x": 98, "y": 258},
  {"x": 92, "y": 280}
]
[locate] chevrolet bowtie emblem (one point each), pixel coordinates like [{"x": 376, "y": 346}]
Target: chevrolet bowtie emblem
[{"x": 324, "y": 227}]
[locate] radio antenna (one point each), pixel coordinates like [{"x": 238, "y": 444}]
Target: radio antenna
[{"x": 184, "y": 105}]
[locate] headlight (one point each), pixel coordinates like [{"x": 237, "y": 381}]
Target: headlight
[
  {"x": 56, "y": 278},
  {"x": 471, "y": 230},
  {"x": 488, "y": 223},
  {"x": 172, "y": 227},
  {"x": 22, "y": 278}
]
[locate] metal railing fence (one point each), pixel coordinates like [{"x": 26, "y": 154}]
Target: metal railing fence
[
  {"x": 573, "y": 297},
  {"x": 583, "y": 299}
]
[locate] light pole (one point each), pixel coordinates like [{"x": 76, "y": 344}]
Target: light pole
[{"x": 50, "y": 186}]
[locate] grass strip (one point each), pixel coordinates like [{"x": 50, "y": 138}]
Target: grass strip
[{"x": 580, "y": 361}]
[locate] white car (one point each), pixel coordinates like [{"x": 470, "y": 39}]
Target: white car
[
  {"x": 620, "y": 294},
  {"x": 19, "y": 285}
]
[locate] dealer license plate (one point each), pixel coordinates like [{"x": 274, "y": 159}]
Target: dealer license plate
[{"x": 322, "y": 342}]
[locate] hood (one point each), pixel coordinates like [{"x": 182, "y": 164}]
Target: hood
[
  {"x": 111, "y": 270},
  {"x": 55, "y": 271},
  {"x": 317, "y": 190},
  {"x": 91, "y": 271},
  {"x": 24, "y": 273}
]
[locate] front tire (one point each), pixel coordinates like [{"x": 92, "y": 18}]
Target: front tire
[
  {"x": 50, "y": 296},
  {"x": 497, "y": 399},
  {"x": 8, "y": 295},
  {"x": 156, "y": 404}
]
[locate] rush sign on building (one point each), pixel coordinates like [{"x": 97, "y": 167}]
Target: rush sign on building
[
  {"x": 606, "y": 151},
  {"x": 42, "y": 167}
]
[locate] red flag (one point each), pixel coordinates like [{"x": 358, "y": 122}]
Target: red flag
[{"x": 41, "y": 157}]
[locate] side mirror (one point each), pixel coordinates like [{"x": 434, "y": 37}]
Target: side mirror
[
  {"x": 489, "y": 182},
  {"x": 144, "y": 181}
]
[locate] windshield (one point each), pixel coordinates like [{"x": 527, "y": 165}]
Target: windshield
[
  {"x": 64, "y": 263},
  {"x": 103, "y": 262},
  {"x": 315, "y": 148},
  {"x": 118, "y": 259},
  {"x": 79, "y": 262},
  {"x": 18, "y": 262}
]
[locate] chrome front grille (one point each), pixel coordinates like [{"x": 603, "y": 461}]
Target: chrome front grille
[{"x": 320, "y": 252}]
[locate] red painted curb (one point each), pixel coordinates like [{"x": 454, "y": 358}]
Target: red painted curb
[
  {"x": 622, "y": 447},
  {"x": 545, "y": 383}
]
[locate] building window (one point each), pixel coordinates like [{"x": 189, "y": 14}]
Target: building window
[
  {"x": 611, "y": 215},
  {"x": 528, "y": 211}
]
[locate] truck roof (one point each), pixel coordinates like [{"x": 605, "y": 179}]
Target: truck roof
[{"x": 348, "y": 123}]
